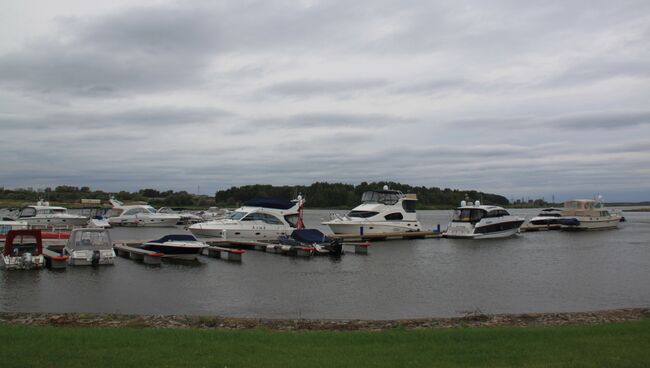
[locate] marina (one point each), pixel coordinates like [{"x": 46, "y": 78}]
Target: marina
[{"x": 549, "y": 271}]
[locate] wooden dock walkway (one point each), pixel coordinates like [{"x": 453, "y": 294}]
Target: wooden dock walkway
[{"x": 388, "y": 236}]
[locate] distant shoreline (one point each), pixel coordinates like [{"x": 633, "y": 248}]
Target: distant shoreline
[{"x": 475, "y": 319}]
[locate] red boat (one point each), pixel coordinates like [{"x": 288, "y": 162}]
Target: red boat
[{"x": 23, "y": 250}]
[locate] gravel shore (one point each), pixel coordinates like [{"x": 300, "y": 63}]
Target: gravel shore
[{"x": 214, "y": 322}]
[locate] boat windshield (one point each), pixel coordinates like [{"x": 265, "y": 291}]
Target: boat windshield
[
  {"x": 385, "y": 197},
  {"x": 237, "y": 215},
  {"x": 472, "y": 215}
]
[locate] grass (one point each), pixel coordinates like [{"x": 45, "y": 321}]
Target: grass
[{"x": 614, "y": 345}]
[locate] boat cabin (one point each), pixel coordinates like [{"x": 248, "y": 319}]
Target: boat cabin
[
  {"x": 475, "y": 214},
  {"x": 21, "y": 242},
  {"x": 89, "y": 239}
]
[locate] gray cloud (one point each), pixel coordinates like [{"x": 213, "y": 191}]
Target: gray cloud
[{"x": 489, "y": 96}]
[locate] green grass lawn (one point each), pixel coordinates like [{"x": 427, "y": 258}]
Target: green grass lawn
[{"x": 608, "y": 345}]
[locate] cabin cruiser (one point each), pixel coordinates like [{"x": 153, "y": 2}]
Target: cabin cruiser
[
  {"x": 139, "y": 215},
  {"x": 380, "y": 211},
  {"x": 588, "y": 214},
  {"x": 547, "y": 219},
  {"x": 23, "y": 250},
  {"x": 476, "y": 221},
  {"x": 42, "y": 215},
  {"x": 182, "y": 246},
  {"x": 257, "y": 219},
  {"x": 90, "y": 246}
]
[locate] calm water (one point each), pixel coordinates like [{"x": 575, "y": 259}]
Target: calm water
[{"x": 533, "y": 272}]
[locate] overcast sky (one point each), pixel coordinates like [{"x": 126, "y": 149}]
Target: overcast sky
[{"x": 521, "y": 98}]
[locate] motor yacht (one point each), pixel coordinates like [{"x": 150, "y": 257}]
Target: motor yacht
[
  {"x": 139, "y": 215},
  {"x": 257, "y": 219},
  {"x": 380, "y": 211},
  {"x": 214, "y": 213},
  {"x": 588, "y": 214},
  {"x": 476, "y": 221},
  {"x": 42, "y": 215},
  {"x": 184, "y": 216}
]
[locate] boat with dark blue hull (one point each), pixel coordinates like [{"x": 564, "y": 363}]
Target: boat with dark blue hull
[{"x": 179, "y": 246}]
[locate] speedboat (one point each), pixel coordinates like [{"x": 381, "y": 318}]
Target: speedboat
[
  {"x": 380, "y": 211},
  {"x": 182, "y": 246},
  {"x": 547, "y": 219},
  {"x": 89, "y": 247},
  {"x": 139, "y": 215},
  {"x": 23, "y": 250},
  {"x": 257, "y": 219},
  {"x": 588, "y": 214},
  {"x": 42, "y": 215},
  {"x": 476, "y": 221}
]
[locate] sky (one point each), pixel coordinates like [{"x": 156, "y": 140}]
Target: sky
[{"x": 535, "y": 99}]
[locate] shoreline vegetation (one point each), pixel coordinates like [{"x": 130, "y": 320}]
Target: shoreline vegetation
[
  {"x": 617, "y": 338},
  {"x": 470, "y": 319}
]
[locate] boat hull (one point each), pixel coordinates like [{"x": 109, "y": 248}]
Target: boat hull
[
  {"x": 357, "y": 227},
  {"x": 176, "y": 250},
  {"x": 588, "y": 224},
  {"x": 232, "y": 232}
]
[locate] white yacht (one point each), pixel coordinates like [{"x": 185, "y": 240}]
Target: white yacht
[
  {"x": 588, "y": 214},
  {"x": 139, "y": 215},
  {"x": 42, "y": 215},
  {"x": 257, "y": 219},
  {"x": 475, "y": 221},
  {"x": 380, "y": 211}
]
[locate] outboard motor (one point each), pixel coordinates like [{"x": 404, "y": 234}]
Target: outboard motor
[
  {"x": 336, "y": 247},
  {"x": 95, "y": 259},
  {"x": 27, "y": 259}
]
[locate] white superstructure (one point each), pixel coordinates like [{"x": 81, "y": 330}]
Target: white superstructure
[
  {"x": 475, "y": 221},
  {"x": 257, "y": 219},
  {"x": 42, "y": 215},
  {"x": 380, "y": 211},
  {"x": 139, "y": 215},
  {"x": 87, "y": 247}
]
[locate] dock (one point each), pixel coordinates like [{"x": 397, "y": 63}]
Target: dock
[
  {"x": 54, "y": 258},
  {"x": 147, "y": 256},
  {"x": 276, "y": 248}
]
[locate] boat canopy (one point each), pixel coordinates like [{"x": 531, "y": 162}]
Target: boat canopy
[
  {"x": 309, "y": 236},
  {"x": 175, "y": 237},
  {"x": 271, "y": 202},
  {"x": 388, "y": 197},
  {"x": 83, "y": 239}
]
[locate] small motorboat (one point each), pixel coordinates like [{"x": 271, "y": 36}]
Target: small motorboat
[
  {"x": 321, "y": 243},
  {"x": 178, "y": 246},
  {"x": 23, "y": 250},
  {"x": 476, "y": 221},
  {"x": 89, "y": 247}
]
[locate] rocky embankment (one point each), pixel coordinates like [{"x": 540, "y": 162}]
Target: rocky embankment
[{"x": 210, "y": 322}]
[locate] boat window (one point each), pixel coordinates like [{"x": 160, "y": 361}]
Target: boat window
[
  {"x": 134, "y": 211},
  {"x": 4, "y": 229},
  {"x": 292, "y": 219},
  {"x": 497, "y": 213},
  {"x": 409, "y": 206},
  {"x": 92, "y": 240},
  {"x": 28, "y": 212},
  {"x": 362, "y": 214},
  {"x": 388, "y": 198},
  {"x": 237, "y": 215},
  {"x": 394, "y": 216},
  {"x": 24, "y": 244},
  {"x": 472, "y": 215},
  {"x": 498, "y": 227}
]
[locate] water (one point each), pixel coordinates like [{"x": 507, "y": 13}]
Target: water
[{"x": 533, "y": 272}]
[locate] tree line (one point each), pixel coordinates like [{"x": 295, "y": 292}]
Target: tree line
[
  {"x": 318, "y": 195},
  {"x": 334, "y": 195}
]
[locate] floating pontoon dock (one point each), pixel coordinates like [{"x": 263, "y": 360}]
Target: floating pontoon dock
[{"x": 138, "y": 254}]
